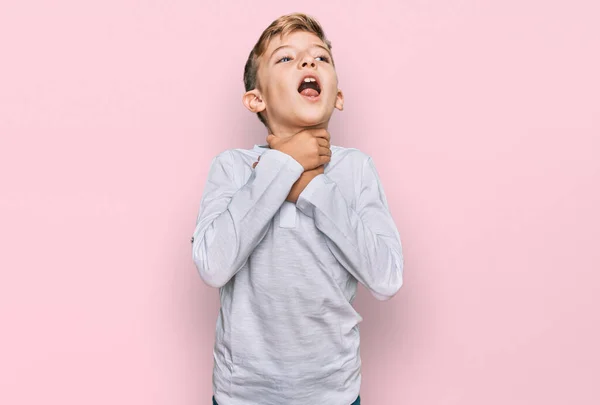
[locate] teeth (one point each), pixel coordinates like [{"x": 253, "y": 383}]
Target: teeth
[{"x": 310, "y": 79}]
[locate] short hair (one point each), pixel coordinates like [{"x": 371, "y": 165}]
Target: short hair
[{"x": 282, "y": 26}]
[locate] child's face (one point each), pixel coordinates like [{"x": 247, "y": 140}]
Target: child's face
[{"x": 281, "y": 72}]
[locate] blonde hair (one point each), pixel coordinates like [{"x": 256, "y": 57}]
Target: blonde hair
[{"x": 282, "y": 26}]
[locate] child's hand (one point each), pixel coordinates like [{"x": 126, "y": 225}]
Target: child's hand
[
  {"x": 302, "y": 181},
  {"x": 299, "y": 146},
  {"x": 310, "y": 147}
]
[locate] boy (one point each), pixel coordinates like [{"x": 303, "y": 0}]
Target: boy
[{"x": 287, "y": 229}]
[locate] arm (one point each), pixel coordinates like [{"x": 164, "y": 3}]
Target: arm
[
  {"x": 364, "y": 240},
  {"x": 232, "y": 221}
]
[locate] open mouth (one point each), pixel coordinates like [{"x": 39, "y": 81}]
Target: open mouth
[{"x": 309, "y": 87}]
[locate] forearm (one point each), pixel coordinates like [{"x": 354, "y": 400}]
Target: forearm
[{"x": 224, "y": 238}]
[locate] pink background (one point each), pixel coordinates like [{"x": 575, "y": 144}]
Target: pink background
[{"x": 482, "y": 118}]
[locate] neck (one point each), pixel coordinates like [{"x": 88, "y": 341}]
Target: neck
[{"x": 284, "y": 131}]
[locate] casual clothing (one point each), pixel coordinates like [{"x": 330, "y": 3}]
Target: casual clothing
[
  {"x": 287, "y": 273},
  {"x": 357, "y": 402}
]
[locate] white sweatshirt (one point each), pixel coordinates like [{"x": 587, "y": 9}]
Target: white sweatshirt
[{"x": 287, "y": 273}]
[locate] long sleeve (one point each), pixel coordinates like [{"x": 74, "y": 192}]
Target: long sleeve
[
  {"x": 364, "y": 240},
  {"x": 232, "y": 220}
]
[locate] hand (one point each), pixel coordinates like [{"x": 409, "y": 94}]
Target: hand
[
  {"x": 302, "y": 182},
  {"x": 310, "y": 147}
]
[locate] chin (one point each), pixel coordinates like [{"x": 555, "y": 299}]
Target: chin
[
  {"x": 313, "y": 119},
  {"x": 311, "y": 122}
]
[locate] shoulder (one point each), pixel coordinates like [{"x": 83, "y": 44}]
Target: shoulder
[
  {"x": 235, "y": 156},
  {"x": 235, "y": 164},
  {"x": 352, "y": 156}
]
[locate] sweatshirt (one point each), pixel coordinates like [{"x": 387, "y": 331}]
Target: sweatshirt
[{"x": 287, "y": 273}]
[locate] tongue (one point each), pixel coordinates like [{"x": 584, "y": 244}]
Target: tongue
[{"x": 309, "y": 93}]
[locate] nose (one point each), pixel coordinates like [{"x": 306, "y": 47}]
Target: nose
[{"x": 308, "y": 60}]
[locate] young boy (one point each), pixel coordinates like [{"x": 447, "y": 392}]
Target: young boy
[{"x": 287, "y": 230}]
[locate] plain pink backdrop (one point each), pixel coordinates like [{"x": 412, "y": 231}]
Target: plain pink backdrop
[{"x": 483, "y": 121}]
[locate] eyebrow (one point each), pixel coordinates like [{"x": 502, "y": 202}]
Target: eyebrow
[{"x": 289, "y": 46}]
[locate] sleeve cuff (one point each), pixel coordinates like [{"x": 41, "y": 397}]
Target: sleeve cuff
[
  {"x": 309, "y": 197},
  {"x": 283, "y": 158}
]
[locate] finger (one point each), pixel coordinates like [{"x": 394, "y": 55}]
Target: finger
[
  {"x": 324, "y": 159},
  {"x": 254, "y": 164},
  {"x": 323, "y": 142},
  {"x": 323, "y": 151},
  {"x": 321, "y": 134}
]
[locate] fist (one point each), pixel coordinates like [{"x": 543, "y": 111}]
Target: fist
[{"x": 310, "y": 147}]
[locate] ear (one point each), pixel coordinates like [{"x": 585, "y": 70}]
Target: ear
[
  {"x": 339, "y": 101},
  {"x": 253, "y": 101}
]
